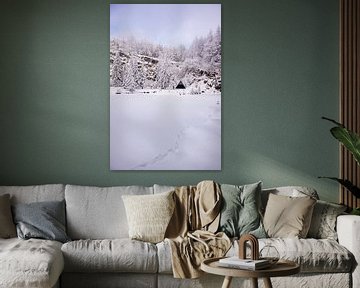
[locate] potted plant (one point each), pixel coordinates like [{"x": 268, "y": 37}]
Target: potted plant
[{"x": 351, "y": 141}]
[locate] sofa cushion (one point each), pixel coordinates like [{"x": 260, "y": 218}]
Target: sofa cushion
[
  {"x": 313, "y": 255},
  {"x": 117, "y": 255},
  {"x": 287, "y": 216},
  {"x": 164, "y": 257},
  {"x": 98, "y": 213},
  {"x": 149, "y": 215},
  {"x": 7, "y": 226},
  {"x": 291, "y": 191},
  {"x": 30, "y": 263},
  {"x": 240, "y": 210},
  {"x": 323, "y": 222},
  {"x": 36, "y": 193},
  {"x": 43, "y": 220}
]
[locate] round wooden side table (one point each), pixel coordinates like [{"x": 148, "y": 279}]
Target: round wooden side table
[{"x": 281, "y": 268}]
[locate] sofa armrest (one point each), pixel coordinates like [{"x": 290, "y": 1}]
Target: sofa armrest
[{"x": 348, "y": 230}]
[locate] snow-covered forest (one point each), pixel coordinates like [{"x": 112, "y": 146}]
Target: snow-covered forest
[{"x": 139, "y": 64}]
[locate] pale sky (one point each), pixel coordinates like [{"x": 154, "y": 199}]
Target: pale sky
[{"x": 167, "y": 24}]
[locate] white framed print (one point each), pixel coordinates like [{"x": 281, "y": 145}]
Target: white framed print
[{"x": 165, "y": 86}]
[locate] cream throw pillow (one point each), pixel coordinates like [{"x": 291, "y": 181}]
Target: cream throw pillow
[
  {"x": 149, "y": 215},
  {"x": 288, "y": 217}
]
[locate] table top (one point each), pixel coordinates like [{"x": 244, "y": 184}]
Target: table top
[{"x": 281, "y": 268}]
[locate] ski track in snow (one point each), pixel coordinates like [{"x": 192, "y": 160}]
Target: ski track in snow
[
  {"x": 193, "y": 143},
  {"x": 158, "y": 158}
]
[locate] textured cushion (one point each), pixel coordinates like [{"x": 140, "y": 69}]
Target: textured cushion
[
  {"x": 44, "y": 220},
  {"x": 323, "y": 222},
  {"x": 7, "y": 227},
  {"x": 36, "y": 193},
  {"x": 117, "y": 255},
  {"x": 149, "y": 215},
  {"x": 31, "y": 263},
  {"x": 287, "y": 216},
  {"x": 98, "y": 213},
  {"x": 240, "y": 210}
]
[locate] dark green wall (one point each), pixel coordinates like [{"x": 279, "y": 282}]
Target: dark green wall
[{"x": 280, "y": 75}]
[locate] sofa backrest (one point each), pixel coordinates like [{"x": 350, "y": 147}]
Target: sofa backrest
[
  {"x": 163, "y": 188},
  {"x": 36, "y": 193},
  {"x": 98, "y": 212},
  {"x": 293, "y": 191}
]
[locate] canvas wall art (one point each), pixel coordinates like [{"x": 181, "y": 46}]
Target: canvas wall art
[{"x": 165, "y": 87}]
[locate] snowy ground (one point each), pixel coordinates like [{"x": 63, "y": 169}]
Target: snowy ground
[{"x": 165, "y": 130}]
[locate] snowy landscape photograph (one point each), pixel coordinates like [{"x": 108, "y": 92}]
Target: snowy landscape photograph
[{"x": 165, "y": 86}]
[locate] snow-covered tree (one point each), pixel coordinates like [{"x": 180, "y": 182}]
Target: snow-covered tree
[
  {"x": 178, "y": 53},
  {"x": 117, "y": 71},
  {"x": 196, "y": 48},
  {"x": 209, "y": 53},
  {"x": 139, "y": 75},
  {"x": 217, "y": 42},
  {"x": 129, "y": 73},
  {"x": 163, "y": 73},
  {"x": 215, "y": 49}
]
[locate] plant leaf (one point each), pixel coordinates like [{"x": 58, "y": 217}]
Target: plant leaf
[
  {"x": 349, "y": 139},
  {"x": 347, "y": 184},
  {"x": 333, "y": 121},
  {"x": 355, "y": 211}
]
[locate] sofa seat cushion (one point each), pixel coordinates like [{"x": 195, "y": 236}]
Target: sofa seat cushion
[
  {"x": 164, "y": 257},
  {"x": 313, "y": 255},
  {"x": 115, "y": 255},
  {"x": 30, "y": 263}
]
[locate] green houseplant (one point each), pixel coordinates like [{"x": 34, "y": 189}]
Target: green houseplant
[{"x": 351, "y": 142}]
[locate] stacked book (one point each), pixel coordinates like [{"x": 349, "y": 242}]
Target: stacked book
[{"x": 248, "y": 264}]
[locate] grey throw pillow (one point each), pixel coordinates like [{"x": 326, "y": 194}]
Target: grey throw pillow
[
  {"x": 240, "y": 213},
  {"x": 7, "y": 226},
  {"x": 323, "y": 222},
  {"x": 44, "y": 220}
]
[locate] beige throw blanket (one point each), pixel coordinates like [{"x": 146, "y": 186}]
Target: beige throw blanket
[{"x": 191, "y": 231}]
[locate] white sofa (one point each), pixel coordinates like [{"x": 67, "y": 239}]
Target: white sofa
[{"x": 101, "y": 255}]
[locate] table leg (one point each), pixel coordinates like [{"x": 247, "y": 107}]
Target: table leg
[
  {"x": 267, "y": 283},
  {"x": 227, "y": 282},
  {"x": 254, "y": 282}
]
